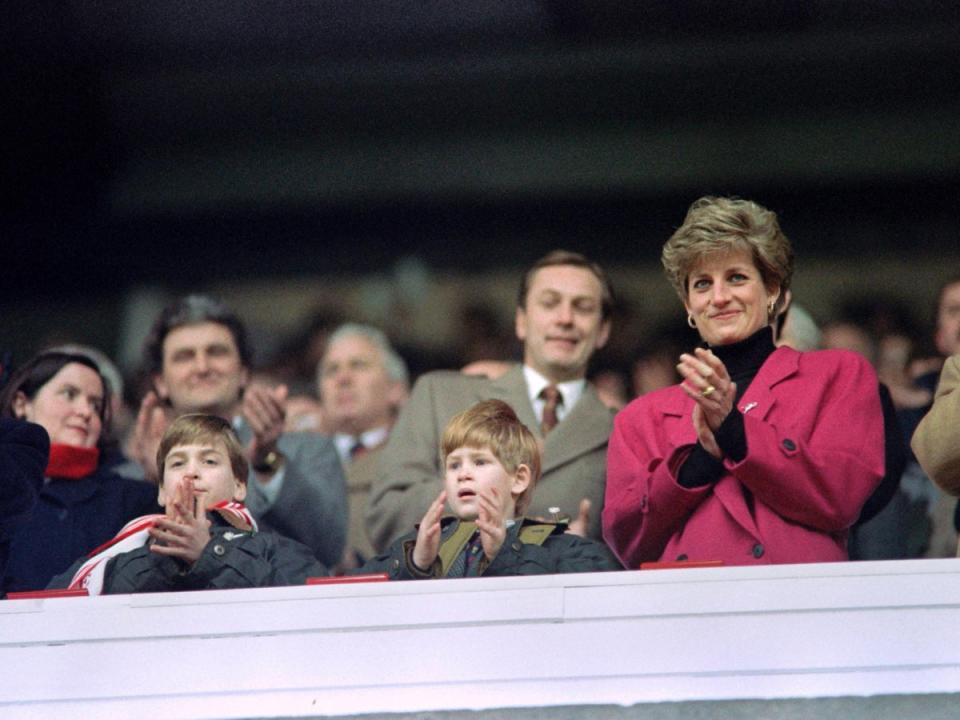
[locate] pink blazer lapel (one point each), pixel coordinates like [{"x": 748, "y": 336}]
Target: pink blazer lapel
[{"x": 759, "y": 399}]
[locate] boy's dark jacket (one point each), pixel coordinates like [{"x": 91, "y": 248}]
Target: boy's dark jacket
[
  {"x": 548, "y": 550},
  {"x": 232, "y": 559}
]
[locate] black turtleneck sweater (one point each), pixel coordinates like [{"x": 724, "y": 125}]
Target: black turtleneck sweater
[{"x": 742, "y": 360}]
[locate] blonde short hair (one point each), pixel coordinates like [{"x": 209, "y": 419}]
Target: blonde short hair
[
  {"x": 720, "y": 224},
  {"x": 493, "y": 425},
  {"x": 196, "y": 428}
]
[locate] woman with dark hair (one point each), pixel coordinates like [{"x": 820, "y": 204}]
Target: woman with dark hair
[
  {"x": 81, "y": 505},
  {"x": 761, "y": 454}
]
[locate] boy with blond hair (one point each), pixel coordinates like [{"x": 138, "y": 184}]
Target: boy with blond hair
[
  {"x": 207, "y": 539},
  {"x": 491, "y": 465}
]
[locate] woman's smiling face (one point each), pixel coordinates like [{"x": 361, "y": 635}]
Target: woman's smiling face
[
  {"x": 727, "y": 298},
  {"x": 69, "y": 406}
]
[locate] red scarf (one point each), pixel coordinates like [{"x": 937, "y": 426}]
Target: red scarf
[
  {"x": 136, "y": 533},
  {"x": 72, "y": 462}
]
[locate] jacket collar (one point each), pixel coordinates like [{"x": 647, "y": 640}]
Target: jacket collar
[{"x": 586, "y": 428}]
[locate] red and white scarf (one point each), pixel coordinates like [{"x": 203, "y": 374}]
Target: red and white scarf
[{"x": 135, "y": 534}]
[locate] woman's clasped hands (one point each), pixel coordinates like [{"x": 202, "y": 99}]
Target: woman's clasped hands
[{"x": 705, "y": 379}]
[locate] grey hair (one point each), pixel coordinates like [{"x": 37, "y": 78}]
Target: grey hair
[{"x": 392, "y": 362}]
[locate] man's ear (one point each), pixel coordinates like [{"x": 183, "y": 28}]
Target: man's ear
[
  {"x": 521, "y": 324},
  {"x": 604, "y": 334},
  {"x": 161, "y": 494},
  {"x": 21, "y": 405},
  {"x": 397, "y": 394}
]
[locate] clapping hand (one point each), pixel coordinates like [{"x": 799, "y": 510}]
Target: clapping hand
[
  {"x": 491, "y": 521},
  {"x": 707, "y": 381},
  {"x": 428, "y": 536},
  {"x": 152, "y": 422},
  {"x": 185, "y": 530},
  {"x": 265, "y": 409}
]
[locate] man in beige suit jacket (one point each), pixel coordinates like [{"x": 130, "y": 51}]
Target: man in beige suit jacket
[
  {"x": 562, "y": 317},
  {"x": 936, "y": 441}
]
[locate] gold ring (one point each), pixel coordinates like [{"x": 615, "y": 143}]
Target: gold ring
[{"x": 708, "y": 391}]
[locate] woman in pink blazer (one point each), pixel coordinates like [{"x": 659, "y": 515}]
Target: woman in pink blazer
[{"x": 761, "y": 454}]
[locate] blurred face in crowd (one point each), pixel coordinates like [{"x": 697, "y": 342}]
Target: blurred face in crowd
[
  {"x": 69, "y": 406},
  {"x": 726, "y": 297},
  {"x": 561, "y": 322},
  {"x": 357, "y": 393},
  {"x": 207, "y": 465},
  {"x": 948, "y": 320},
  {"x": 202, "y": 370},
  {"x": 847, "y": 336}
]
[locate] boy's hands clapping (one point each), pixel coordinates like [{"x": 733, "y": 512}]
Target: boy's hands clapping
[
  {"x": 490, "y": 521},
  {"x": 428, "y": 536},
  {"x": 185, "y": 531}
]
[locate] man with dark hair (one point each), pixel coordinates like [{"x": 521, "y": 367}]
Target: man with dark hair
[
  {"x": 198, "y": 359},
  {"x": 562, "y": 317}
]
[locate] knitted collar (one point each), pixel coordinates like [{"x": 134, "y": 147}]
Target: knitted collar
[{"x": 72, "y": 462}]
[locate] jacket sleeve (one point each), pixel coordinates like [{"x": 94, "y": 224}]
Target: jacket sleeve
[
  {"x": 576, "y": 554},
  {"x": 408, "y": 478},
  {"x": 312, "y": 505},
  {"x": 24, "y": 449},
  {"x": 936, "y": 441},
  {"x": 397, "y": 562},
  {"x": 644, "y": 504},
  {"x": 895, "y": 460},
  {"x": 821, "y": 458},
  {"x": 559, "y": 553},
  {"x": 230, "y": 560}
]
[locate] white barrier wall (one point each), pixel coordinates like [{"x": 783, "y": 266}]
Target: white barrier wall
[{"x": 615, "y": 639}]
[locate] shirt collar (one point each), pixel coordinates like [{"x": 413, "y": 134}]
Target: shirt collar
[
  {"x": 571, "y": 390},
  {"x": 371, "y": 439}
]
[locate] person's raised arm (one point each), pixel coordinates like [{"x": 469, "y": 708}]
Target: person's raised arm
[
  {"x": 644, "y": 504},
  {"x": 936, "y": 441}
]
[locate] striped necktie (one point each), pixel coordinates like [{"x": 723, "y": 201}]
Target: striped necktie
[{"x": 552, "y": 398}]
